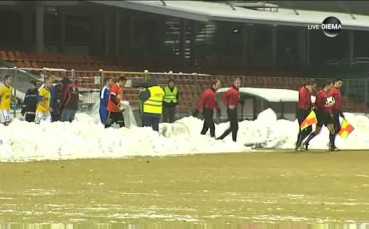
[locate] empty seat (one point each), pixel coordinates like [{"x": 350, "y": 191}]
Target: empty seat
[
  {"x": 11, "y": 55},
  {"x": 19, "y": 64},
  {"x": 34, "y": 64},
  {"x": 39, "y": 57},
  {"x": 32, "y": 56},
  {"x": 18, "y": 55},
  {"x": 47, "y": 57},
  {"x": 27, "y": 64},
  {"x": 4, "y": 55}
]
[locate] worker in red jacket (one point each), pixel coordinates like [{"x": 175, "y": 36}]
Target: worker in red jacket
[
  {"x": 324, "y": 115},
  {"x": 303, "y": 110},
  {"x": 206, "y": 106},
  {"x": 231, "y": 99},
  {"x": 115, "y": 108},
  {"x": 336, "y": 109}
]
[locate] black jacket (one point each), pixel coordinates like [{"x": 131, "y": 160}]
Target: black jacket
[
  {"x": 56, "y": 98},
  {"x": 30, "y": 101},
  {"x": 71, "y": 97},
  {"x": 145, "y": 95}
]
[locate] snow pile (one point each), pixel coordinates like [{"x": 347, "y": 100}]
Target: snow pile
[
  {"x": 86, "y": 138},
  {"x": 268, "y": 132},
  {"x": 22, "y": 141}
]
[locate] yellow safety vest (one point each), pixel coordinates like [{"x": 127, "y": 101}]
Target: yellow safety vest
[
  {"x": 154, "y": 105},
  {"x": 170, "y": 96}
]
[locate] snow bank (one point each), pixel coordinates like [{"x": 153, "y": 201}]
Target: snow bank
[{"x": 86, "y": 138}]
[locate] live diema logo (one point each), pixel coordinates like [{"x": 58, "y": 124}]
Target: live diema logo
[{"x": 331, "y": 26}]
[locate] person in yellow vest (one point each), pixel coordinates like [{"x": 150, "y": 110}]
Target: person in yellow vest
[
  {"x": 43, "y": 108},
  {"x": 6, "y": 94},
  {"x": 170, "y": 102},
  {"x": 152, "y": 98}
]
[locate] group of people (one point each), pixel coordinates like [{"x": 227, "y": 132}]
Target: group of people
[
  {"x": 58, "y": 101},
  {"x": 327, "y": 113},
  {"x": 155, "y": 102},
  {"x": 327, "y": 107},
  {"x": 209, "y": 102},
  {"x": 111, "y": 108},
  {"x": 55, "y": 100}
]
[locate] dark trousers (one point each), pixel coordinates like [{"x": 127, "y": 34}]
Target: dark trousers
[
  {"x": 152, "y": 122},
  {"x": 115, "y": 117},
  {"x": 208, "y": 122},
  {"x": 55, "y": 116},
  {"x": 336, "y": 121},
  {"x": 56, "y": 113},
  {"x": 233, "y": 119},
  {"x": 169, "y": 114},
  {"x": 337, "y": 128},
  {"x": 68, "y": 115},
  {"x": 30, "y": 117},
  {"x": 301, "y": 116}
]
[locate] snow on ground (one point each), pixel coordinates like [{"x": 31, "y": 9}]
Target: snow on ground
[{"x": 86, "y": 138}]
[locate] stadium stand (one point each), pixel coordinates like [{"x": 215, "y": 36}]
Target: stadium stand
[{"x": 190, "y": 85}]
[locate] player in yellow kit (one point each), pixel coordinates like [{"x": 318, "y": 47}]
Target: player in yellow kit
[
  {"x": 43, "y": 107},
  {"x": 6, "y": 93}
]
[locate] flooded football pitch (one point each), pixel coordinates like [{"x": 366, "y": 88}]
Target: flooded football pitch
[{"x": 250, "y": 190}]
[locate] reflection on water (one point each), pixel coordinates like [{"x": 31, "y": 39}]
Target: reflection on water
[{"x": 113, "y": 225}]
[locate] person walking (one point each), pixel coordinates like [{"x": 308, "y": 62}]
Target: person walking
[
  {"x": 170, "y": 102},
  {"x": 152, "y": 99},
  {"x": 7, "y": 96},
  {"x": 43, "y": 108},
  {"x": 56, "y": 100},
  {"x": 29, "y": 105},
  {"x": 206, "y": 106},
  {"x": 323, "y": 113},
  {"x": 115, "y": 109},
  {"x": 142, "y": 86},
  {"x": 104, "y": 99},
  {"x": 304, "y": 108},
  {"x": 70, "y": 102},
  {"x": 231, "y": 98},
  {"x": 337, "y": 110}
]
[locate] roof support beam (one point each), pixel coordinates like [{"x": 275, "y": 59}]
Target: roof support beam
[
  {"x": 351, "y": 47},
  {"x": 156, "y": 10}
]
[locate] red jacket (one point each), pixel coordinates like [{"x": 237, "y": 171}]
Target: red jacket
[
  {"x": 304, "y": 99},
  {"x": 208, "y": 100},
  {"x": 320, "y": 102},
  {"x": 115, "y": 90},
  {"x": 231, "y": 97},
  {"x": 336, "y": 94}
]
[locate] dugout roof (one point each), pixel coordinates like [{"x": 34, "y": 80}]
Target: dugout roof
[{"x": 218, "y": 11}]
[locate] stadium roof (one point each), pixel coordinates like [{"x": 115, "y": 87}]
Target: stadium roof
[
  {"x": 269, "y": 94},
  {"x": 218, "y": 11}
]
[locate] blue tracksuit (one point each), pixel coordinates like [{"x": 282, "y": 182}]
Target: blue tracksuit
[{"x": 104, "y": 99}]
